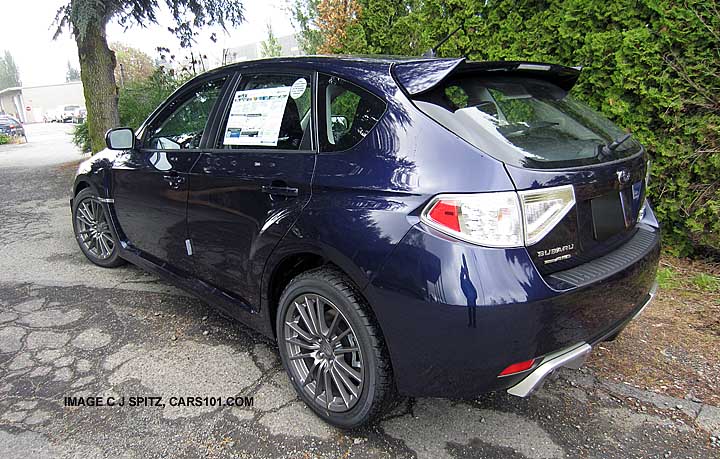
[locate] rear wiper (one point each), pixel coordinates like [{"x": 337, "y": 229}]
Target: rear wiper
[{"x": 606, "y": 150}]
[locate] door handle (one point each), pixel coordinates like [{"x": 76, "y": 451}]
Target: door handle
[
  {"x": 174, "y": 180},
  {"x": 280, "y": 190}
]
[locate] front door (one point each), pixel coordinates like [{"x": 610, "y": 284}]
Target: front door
[
  {"x": 247, "y": 191},
  {"x": 150, "y": 182}
]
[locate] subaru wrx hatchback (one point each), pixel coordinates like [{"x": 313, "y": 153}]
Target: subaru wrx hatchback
[{"x": 427, "y": 227}]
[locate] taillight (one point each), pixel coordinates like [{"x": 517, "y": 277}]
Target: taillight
[
  {"x": 543, "y": 209},
  {"x": 502, "y": 219},
  {"x": 491, "y": 219}
]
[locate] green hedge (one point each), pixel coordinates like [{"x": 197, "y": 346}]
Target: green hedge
[
  {"x": 137, "y": 100},
  {"x": 651, "y": 66}
]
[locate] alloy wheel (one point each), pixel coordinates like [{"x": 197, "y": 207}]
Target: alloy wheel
[
  {"x": 323, "y": 353},
  {"x": 93, "y": 229}
]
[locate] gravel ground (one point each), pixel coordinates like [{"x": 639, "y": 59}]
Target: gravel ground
[{"x": 68, "y": 328}]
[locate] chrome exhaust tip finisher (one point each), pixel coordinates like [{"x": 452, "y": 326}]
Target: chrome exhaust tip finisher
[{"x": 570, "y": 357}]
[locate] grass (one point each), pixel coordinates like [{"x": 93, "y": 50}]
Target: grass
[{"x": 673, "y": 347}]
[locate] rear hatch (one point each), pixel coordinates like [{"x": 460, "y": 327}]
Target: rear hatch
[{"x": 521, "y": 114}]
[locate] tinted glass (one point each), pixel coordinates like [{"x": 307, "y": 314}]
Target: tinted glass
[
  {"x": 183, "y": 128},
  {"x": 270, "y": 112},
  {"x": 350, "y": 113},
  {"x": 524, "y": 121}
]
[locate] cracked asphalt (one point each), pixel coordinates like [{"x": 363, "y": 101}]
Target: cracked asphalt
[{"x": 68, "y": 328}]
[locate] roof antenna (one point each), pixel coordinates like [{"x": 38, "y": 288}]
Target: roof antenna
[{"x": 431, "y": 52}]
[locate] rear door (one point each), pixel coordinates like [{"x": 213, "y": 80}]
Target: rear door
[
  {"x": 150, "y": 182},
  {"x": 250, "y": 187}
]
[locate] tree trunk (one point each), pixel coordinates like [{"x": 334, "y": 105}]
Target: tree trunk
[{"x": 97, "y": 67}]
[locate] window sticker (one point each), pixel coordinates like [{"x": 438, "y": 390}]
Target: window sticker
[
  {"x": 298, "y": 88},
  {"x": 256, "y": 116}
]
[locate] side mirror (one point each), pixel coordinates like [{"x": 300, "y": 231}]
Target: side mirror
[{"x": 120, "y": 139}]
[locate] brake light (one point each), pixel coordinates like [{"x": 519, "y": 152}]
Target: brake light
[
  {"x": 503, "y": 219},
  {"x": 447, "y": 214},
  {"x": 517, "y": 367},
  {"x": 491, "y": 219}
]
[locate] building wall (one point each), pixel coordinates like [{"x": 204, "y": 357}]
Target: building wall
[
  {"x": 45, "y": 99},
  {"x": 10, "y": 103}
]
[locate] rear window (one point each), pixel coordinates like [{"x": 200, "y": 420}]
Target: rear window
[{"x": 524, "y": 122}]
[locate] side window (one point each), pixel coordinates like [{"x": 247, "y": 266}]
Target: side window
[
  {"x": 270, "y": 112},
  {"x": 183, "y": 128},
  {"x": 350, "y": 112}
]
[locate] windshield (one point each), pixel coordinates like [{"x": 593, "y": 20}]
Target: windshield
[{"x": 525, "y": 122}]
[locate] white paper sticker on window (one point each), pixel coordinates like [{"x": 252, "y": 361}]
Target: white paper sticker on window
[
  {"x": 255, "y": 116},
  {"x": 298, "y": 88}
]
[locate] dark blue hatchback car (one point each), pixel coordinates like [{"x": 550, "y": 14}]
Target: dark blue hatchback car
[{"x": 427, "y": 227}]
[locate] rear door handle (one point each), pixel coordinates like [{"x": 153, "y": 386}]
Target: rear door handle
[{"x": 280, "y": 190}]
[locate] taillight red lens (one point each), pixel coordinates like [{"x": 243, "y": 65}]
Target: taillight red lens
[
  {"x": 446, "y": 213},
  {"x": 517, "y": 367}
]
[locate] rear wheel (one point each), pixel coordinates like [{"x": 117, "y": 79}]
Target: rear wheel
[
  {"x": 93, "y": 231},
  {"x": 333, "y": 350}
]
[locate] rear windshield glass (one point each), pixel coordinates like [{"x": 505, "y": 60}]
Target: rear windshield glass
[{"x": 524, "y": 122}]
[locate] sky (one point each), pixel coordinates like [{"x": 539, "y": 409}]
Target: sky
[{"x": 42, "y": 60}]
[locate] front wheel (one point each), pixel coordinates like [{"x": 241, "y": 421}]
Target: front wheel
[
  {"x": 93, "y": 232},
  {"x": 333, "y": 350}
]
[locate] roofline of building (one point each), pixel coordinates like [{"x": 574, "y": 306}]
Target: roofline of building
[{"x": 20, "y": 88}]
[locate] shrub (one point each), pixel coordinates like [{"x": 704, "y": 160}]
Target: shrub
[
  {"x": 4, "y": 138},
  {"x": 650, "y": 65},
  {"x": 81, "y": 137},
  {"x": 139, "y": 98}
]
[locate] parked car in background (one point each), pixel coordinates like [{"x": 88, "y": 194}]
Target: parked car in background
[
  {"x": 11, "y": 126},
  {"x": 67, "y": 115},
  {"x": 432, "y": 227}
]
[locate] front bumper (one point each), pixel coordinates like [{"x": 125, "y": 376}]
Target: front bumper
[{"x": 454, "y": 315}]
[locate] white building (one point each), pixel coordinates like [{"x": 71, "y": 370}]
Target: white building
[{"x": 30, "y": 104}]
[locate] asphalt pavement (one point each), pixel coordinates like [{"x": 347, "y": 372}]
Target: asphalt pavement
[{"x": 71, "y": 329}]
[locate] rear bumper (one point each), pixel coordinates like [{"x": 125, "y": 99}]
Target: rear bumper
[
  {"x": 454, "y": 315},
  {"x": 571, "y": 357}
]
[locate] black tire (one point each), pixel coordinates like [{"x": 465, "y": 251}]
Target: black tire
[
  {"x": 101, "y": 253},
  {"x": 377, "y": 393}
]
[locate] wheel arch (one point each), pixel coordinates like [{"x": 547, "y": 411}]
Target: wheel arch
[{"x": 291, "y": 264}]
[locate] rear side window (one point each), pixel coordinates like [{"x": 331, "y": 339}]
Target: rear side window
[
  {"x": 269, "y": 112},
  {"x": 349, "y": 114},
  {"x": 524, "y": 121}
]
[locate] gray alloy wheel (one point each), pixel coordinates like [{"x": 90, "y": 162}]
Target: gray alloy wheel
[
  {"x": 333, "y": 350},
  {"x": 323, "y": 352},
  {"x": 93, "y": 231}
]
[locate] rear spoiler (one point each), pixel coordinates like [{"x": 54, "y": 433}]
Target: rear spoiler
[{"x": 419, "y": 76}]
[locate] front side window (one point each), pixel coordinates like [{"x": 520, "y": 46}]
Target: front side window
[
  {"x": 183, "y": 127},
  {"x": 523, "y": 121},
  {"x": 270, "y": 112},
  {"x": 350, "y": 113}
]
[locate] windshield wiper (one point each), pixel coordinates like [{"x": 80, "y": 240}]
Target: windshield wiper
[{"x": 606, "y": 150}]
